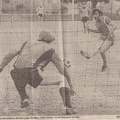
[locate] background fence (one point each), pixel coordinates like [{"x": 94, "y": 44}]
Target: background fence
[{"x": 26, "y": 9}]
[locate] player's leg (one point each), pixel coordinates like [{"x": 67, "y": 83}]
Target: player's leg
[
  {"x": 44, "y": 59},
  {"x": 62, "y": 82},
  {"x": 93, "y": 50},
  {"x": 65, "y": 93},
  {"x": 23, "y": 95},
  {"x": 107, "y": 44},
  {"x": 20, "y": 83},
  {"x": 64, "y": 89},
  {"x": 86, "y": 24},
  {"x": 39, "y": 15},
  {"x": 84, "y": 27},
  {"x": 83, "y": 24},
  {"x": 84, "y": 20}
]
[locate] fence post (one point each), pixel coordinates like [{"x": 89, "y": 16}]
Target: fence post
[
  {"x": 111, "y": 8},
  {"x": 72, "y": 10},
  {"x": 0, "y": 6}
]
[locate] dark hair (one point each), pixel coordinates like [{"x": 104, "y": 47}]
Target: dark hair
[{"x": 100, "y": 12}]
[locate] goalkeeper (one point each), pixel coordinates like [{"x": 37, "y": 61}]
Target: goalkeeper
[
  {"x": 30, "y": 58},
  {"x": 106, "y": 27}
]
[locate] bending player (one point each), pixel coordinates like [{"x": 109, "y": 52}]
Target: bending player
[
  {"x": 84, "y": 13},
  {"x": 25, "y": 71},
  {"x": 106, "y": 27}
]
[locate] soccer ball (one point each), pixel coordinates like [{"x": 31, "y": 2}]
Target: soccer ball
[{"x": 67, "y": 63}]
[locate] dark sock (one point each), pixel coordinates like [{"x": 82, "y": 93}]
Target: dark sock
[
  {"x": 22, "y": 93},
  {"x": 66, "y": 96},
  {"x": 104, "y": 59}
]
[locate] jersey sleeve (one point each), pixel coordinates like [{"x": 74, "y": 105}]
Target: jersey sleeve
[{"x": 8, "y": 57}]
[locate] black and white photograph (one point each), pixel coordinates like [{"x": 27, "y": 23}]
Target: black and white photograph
[{"x": 60, "y": 58}]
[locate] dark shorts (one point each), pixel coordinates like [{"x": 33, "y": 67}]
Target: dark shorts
[
  {"x": 40, "y": 14},
  {"x": 22, "y": 77},
  {"x": 85, "y": 19}
]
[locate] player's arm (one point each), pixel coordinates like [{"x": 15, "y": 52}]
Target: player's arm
[
  {"x": 114, "y": 26},
  {"x": 111, "y": 26},
  {"x": 44, "y": 59},
  {"x": 37, "y": 10},
  {"x": 8, "y": 58}
]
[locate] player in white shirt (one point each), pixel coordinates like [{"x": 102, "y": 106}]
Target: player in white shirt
[
  {"x": 118, "y": 11},
  {"x": 84, "y": 13},
  {"x": 40, "y": 11}
]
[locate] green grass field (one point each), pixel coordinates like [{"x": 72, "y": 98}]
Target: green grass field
[{"x": 96, "y": 93}]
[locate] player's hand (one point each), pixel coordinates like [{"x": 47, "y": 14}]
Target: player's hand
[
  {"x": 1, "y": 69},
  {"x": 41, "y": 69}
]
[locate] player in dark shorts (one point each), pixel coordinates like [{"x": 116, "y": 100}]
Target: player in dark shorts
[
  {"x": 84, "y": 13},
  {"x": 33, "y": 58},
  {"x": 40, "y": 11},
  {"x": 40, "y": 15},
  {"x": 84, "y": 19}
]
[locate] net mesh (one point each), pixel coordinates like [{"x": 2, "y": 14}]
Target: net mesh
[{"x": 96, "y": 92}]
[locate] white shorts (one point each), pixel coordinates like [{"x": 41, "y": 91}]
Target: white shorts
[
  {"x": 100, "y": 44},
  {"x": 93, "y": 46}
]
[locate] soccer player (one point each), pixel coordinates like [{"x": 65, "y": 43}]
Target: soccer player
[
  {"x": 30, "y": 58},
  {"x": 84, "y": 13},
  {"x": 118, "y": 11},
  {"x": 40, "y": 11},
  {"x": 105, "y": 27}
]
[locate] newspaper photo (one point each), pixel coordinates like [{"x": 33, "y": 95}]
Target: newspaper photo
[{"x": 59, "y": 59}]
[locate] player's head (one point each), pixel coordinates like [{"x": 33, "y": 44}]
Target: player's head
[
  {"x": 84, "y": 5},
  {"x": 97, "y": 13},
  {"x": 46, "y": 37}
]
